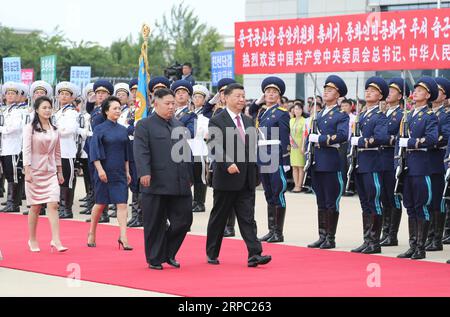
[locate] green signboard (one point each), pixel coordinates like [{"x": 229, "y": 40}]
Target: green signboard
[{"x": 48, "y": 69}]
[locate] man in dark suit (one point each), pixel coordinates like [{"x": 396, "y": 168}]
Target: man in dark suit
[
  {"x": 187, "y": 73},
  {"x": 165, "y": 184},
  {"x": 234, "y": 177}
]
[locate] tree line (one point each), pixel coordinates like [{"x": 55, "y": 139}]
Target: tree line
[{"x": 179, "y": 37}]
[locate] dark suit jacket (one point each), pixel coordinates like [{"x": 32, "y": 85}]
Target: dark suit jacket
[
  {"x": 153, "y": 156},
  {"x": 224, "y": 157}
]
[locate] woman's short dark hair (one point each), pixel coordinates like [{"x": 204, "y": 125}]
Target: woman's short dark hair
[
  {"x": 36, "y": 124},
  {"x": 107, "y": 104}
]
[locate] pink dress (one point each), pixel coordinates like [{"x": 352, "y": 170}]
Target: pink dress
[{"x": 42, "y": 152}]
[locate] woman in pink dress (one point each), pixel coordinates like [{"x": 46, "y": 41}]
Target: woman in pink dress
[{"x": 43, "y": 171}]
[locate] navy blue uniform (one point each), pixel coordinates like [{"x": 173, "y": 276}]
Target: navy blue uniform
[
  {"x": 110, "y": 145},
  {"x": 373, "y": 125},
  {"x": 423, "y": 133},
  {"x": 388, "y": 152},
  {"x": 327, "y": 179},
  {"x": 187, "y": 118},
  {"x": 274, "y": 177},
  {"x": 437, "y": 155}
]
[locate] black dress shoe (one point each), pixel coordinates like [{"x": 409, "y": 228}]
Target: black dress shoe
[
  {"x": 174, "y": 263},
  {"x": 256, "y": 260},
  {"x": 156, "y": 267},
  {"x": 213, "y": 261},
  {"x": 229, "y": 233}
]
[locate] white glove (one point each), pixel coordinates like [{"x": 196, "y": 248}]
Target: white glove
[
  {"x": 261, "y": 100},
  {"x": 286, "y": 168},
  {"x": 215, "y": 99},
  {"x": 90, "y": 133},
  {"x": 355, "y": 141},
  {"x": 314, "y": 138},
  {"x": 404, "y": 142},
  {"x": 91, "y": 98}
]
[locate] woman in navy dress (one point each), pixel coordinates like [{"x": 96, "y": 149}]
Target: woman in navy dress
[{"x": 109, "y": 153}]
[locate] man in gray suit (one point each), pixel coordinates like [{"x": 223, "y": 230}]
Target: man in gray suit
[{"x": 165, "y": 184}]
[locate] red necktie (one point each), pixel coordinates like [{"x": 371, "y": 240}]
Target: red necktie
[{"x": 240, "y": 128}]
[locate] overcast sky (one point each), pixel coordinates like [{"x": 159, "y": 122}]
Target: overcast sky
[{"x": 104, "y": 21}]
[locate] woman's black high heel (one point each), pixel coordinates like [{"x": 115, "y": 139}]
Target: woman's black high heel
[
  {"x": 91, "y": 245},
  {"x": 123, "y": 246}
]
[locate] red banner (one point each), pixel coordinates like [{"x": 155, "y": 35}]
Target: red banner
[
  {"x": 27, "y": 76},
  {"x": 403, "y": 40}
]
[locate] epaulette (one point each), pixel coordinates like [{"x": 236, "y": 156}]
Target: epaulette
[
  {"x": 430, "y": 112},
  {"x": 282, "y": 109}
]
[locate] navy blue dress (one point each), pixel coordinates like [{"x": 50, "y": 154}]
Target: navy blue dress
[{"x": 109, "y": 145}]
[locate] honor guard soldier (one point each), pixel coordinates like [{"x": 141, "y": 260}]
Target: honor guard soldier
[
  {"x": 154, "y": 85},
  {"x": 216, "y": 104},
  {"x": 437, "y": 156},
  {"x": 88, "y": 92},
  {"x": 183, "y": 91},
  {"x": 67, "y": 123},
  {"x": 417, "y": 192},
  {"x": 327, "y": 179},
  {"x": 201, "y": 94},
  {"x": 103, "y": 89},
  {"x": 133, "y": 85},
  {"x": 40, "y": 88},
  {"x": 373, "y": 125},
  {"x": 392, "y": 206},
  {"x": 11, "y": 147},
  {"x": 273, "y": 126}
]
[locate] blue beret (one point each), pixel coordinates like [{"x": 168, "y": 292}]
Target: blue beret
[
  {"x": 223, "y": 83},
  {"x": 157, "y": 82},
  {"x": 399, "y": 84},
  {"x": 337, "y": 83},
  {"x": 274, "y": 82},
  {"x": 182, "y": 84},
  {"x": 430, "y": 85},
  {"x": 443, "y": 83},
  {"x": 379, "y": 84},
  {"x": 104, "y": 85},
  {"x": 134, "y": 84}
]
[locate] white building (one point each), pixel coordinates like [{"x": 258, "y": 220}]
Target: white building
[{"x": 299, "y": 85}]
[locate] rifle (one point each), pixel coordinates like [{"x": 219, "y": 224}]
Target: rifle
[
  {"x": 402, "y": 168},
  {"x": 352, "y": 157},
  {"x": 446, "y": 195},
  {"x": 310, "y": 161}
]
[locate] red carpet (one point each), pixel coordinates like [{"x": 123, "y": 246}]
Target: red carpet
[{"x": 294, "y": 272}]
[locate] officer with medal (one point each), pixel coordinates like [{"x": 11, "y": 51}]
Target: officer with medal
[
  {"x": 273, "y": 154},
  {"x": 417, "y": 193},
  {"x": 392, "y": 206},
  {"x": 437, "y": 156},
  {"x": 373, "y": 125},
  {"x": 67, "y": 122},
  {"x": 327, "y": 178},
  {"x": 11, "y": 147}
]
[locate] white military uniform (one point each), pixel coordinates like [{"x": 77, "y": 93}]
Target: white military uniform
[
  {"x": 11, "y": 150},
  {"x": 67, "y": 122}
]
